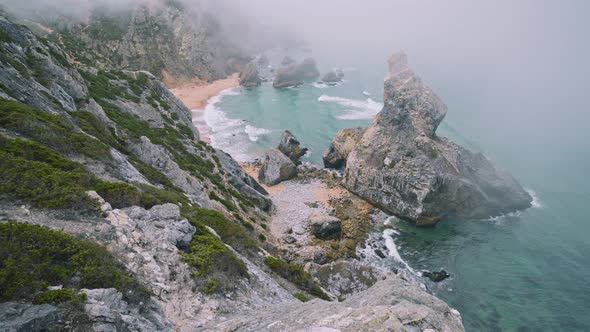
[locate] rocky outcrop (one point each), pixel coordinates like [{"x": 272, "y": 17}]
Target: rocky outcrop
[
  {"x": 344, "y": 141},
  {"x": 334, "y": 76},
  {"x": 389, "y": 305},
  {"x": 402, "y": 166},
  {"x": 324, "y": 226},
  {"x": 343, "y": 278},
  {"x": 291, "y": 147},
  {"x": 287, "y": 61},
  {"x": 296, "y": 74},
  {"x": 249, "y": 76},
  {"x": 276, "y": 167}
]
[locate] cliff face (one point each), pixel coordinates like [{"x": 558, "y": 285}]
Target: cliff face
[
  {"x": 166, "y": 38},
  {"x": 167, "y": 233},
  {"x": 401, "y": 165}
]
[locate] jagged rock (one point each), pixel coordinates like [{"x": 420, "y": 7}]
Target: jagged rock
[
  {"x": 249, "y": 76},
  {"x": 290, "y": 146},
  {"x": 276, "y": 167},
  {"x": 389, "y": 305},
  {"x": 244, "y": 183},
  {"x": 324, "y": 226},
  {"x": 333, "y": 77},
  {"x": 345, "y": 277},
  {"x": 289, "y": 239},
  {"x": 436, "y": 276},
  {"x": 296, "y": 74},
  {"x": 29, "y": 317},
  {"x": 402, "y": 166},
  {"x": 287, "y": 61},
  {"x": 344, "y": 141}
]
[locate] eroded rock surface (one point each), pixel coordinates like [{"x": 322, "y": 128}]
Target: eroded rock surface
[
  {"x": 249, "y": 76},
  {"x": 402, "y": 166},
  {"x": 276, "y": 167},
  {"x": 344, "y": 141},
  {"x": 291, "y": 147},
  {"x": 296, "y": 74}
]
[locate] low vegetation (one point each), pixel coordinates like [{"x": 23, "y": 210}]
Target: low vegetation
[
  {"x": 296, "y": 275},
  {"x": 33, "y": 257}
]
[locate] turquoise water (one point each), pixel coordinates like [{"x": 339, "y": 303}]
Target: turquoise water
[{"x": 525, "y": 272}]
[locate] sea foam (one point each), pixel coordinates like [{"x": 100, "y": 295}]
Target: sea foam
[{"x": 355, "y": 109}]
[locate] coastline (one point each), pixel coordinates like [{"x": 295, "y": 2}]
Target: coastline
[{"x": 196, "y": 95}]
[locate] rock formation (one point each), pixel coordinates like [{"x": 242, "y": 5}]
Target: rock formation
[
  {"x": 344, "y": 141},
  {"x": 276, "y": 167},
  {"x": 249, "y": 76},
  {"x": 287, "y": 61},
  {"x": 324, "y": 226},
  {"x": 296, "y": 74},
  {"x": 290, "y": 146},
  {"x": 334, "y": 76},
  {"x": 402, "y": 166}
]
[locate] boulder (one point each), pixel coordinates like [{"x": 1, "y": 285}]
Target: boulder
[
  {"x": 345, "y": 277},
  {"x": 296, "y": 74},
  {"x": 290, "y": 146},
  {"x": 324, "y": 226},
  {"x": 436, "y": 276},
  {"x": 262, "y": 61},
  {"x": 276, "y": 167},
  {"x": 403, "y": 167},
  {"x": 287, "y": 61},
  {"x": 344, "y": 141},
  {"x": 332, "y": 77},
  {"x": 249, "y": 76}
]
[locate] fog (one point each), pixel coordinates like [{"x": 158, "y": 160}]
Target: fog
[{"x": 519, "y": 68}]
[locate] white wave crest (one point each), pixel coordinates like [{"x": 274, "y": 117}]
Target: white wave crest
[
  {"x": 355, "y": 109},
  {"x": 392, "y": 248},
  {"x": 255, "y": 133},
  {"x": 536, "y": 203}
]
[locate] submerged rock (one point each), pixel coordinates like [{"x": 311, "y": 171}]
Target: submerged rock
[
  {"x": 290, "y": 146},
  {"x": 249, "y": 76},
  {"x": 402, "y": 166},
  {"x": 344, "y": 141},
  {"x": 436, "y": 276},
  {"x": 276, "y": 167},
  {"x": 325, "y": 226},
  {"x": 296, "y": 74}
]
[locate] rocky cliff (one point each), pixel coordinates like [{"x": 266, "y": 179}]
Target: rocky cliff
[
  {"x": 115, "y": 216},
  {"x": 402, "y": 165}
]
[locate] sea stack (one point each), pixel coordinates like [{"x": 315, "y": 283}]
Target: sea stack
[
  {"x": 249, "y": 76},
  {"x": 296, "y": 74},
  {"x": 402, "y": 166}
]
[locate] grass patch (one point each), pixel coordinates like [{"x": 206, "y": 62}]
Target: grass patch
[
  {"x": 34, "y": 257},
  {"x": 51, "y": 130},
  {"x": 37, "y": 69},
  {"x": 296, "y": 275},
  {"x": 230, "y": 232},
  {"x": 301, "y": 297},
  {"x": 59, "y": 296}
]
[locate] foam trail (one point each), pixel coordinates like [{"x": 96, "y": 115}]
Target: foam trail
[
  {"x": 391, "y": 247},
  {"x": 536, "y": 203},
  {"x": 355, "y": 109},
  {"x": 255, "y": 133}
]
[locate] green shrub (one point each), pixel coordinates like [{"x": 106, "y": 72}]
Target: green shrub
[
  {"x": 261, "y": 237},
  {"x": 119, "y": 194},
  {"x": 51, "y": 130},
  {"x": 296, "y": 275},
  {"x": 4, "y": 36},
  {"x": 59, "y": 296},
  {"x": 301, "y": 297},
  {"x": 33, "y": 257},
  {"x": 34, "y": 173},
  {"x": 212, "y": 285},
  {"x": 230, "y": 232},
  {"x": 207, "y": 254},
  {"x": 36, "y": 67}
]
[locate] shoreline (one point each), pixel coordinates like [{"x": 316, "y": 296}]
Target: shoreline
[{"x": 196, "y": 95}]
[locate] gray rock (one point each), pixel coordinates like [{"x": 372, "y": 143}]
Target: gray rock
[
  {"x": 389, "y": 305},
  {"x": 345, "y": 277},
  {"x": 296, "y": 74},
  {"x": 276, "y": 167},
  {"x": 249, "y": 76},
  {"x": 19, "y": 317},
  {"x": 402, "y": 166},
  {"x": 344, "y": 141},
  {"x": 287, "y": 61},
  {"x": 291, "y": 147},
  {"x": 333, "y": 77},
  {"x": 324, "y": 226}
]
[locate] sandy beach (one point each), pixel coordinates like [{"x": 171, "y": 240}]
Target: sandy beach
[{"x": 195, "y": 96}]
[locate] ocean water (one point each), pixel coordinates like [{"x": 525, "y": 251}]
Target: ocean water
[{"x": 528, "y": 271}]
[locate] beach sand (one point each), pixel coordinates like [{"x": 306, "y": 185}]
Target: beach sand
[{"x": 195, "y": 96}]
